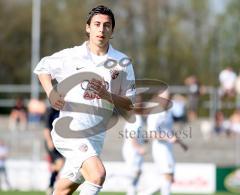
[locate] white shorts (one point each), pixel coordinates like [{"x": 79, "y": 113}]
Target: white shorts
[
  {"x": 163, "y": 157},
  {"x": 133, "y": 160},
  {"x": 76, "y": 151}
]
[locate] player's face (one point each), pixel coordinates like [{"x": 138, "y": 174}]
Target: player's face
[{"x": 100, "y": 29}]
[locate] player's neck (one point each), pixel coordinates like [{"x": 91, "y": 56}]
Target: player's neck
[{"x": 97, "y": 50}]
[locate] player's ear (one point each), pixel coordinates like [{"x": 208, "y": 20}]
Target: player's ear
[{"x": 87, "y": 28}]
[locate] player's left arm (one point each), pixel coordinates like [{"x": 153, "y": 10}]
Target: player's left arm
[
  {"x": 119, "y": 101},
  {"x": 173, "y": 140},
  {"x": 176, "y": 140},
  {"x": 182, "y": 144}
]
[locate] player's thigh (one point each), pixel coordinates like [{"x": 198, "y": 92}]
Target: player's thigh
[
  {"x": 93, "y": 170},
  {"x": 65, "y": 186}
]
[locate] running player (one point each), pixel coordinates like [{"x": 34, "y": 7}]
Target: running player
[
  {"x": 114, "y": 88},
  {"x": 55, "y": 158},
  {"x": 133, "y": 150},
  {"x": 160, "y": 127}
]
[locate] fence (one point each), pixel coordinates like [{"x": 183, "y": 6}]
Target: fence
[{"x": 212, "y": 104}]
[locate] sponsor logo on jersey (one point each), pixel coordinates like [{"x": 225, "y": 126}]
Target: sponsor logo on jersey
[{"x": 89, "y": 95}]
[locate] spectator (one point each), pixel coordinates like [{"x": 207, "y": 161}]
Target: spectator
[
  {"x": 36, "y": 109},
  {"x": 18, "y": 116},
  {"x": 193, "y": 96},
  {"x": 235, "y": 121},
  {"x": 3, "y": 172},
  {"x": 227, "y": 79},
  {"x": 237, "y": 89},
  {"x": 221, "y": 124}
]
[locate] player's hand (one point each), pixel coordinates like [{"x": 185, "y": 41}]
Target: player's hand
[
  {"x": 56, "y": 100},
  {"x": 182, "y": 144},
  {"x": 100, "y": 88},
  {"x": 172, "y": 139}
]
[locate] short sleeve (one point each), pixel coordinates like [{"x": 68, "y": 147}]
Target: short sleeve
[
  {"x": 53, "y": 64},
  {"x": 49, "y": 65}
]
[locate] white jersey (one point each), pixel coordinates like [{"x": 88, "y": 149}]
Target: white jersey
[
  {"x": 68, "y": 62},
  {"x": 227, "y": 78},
  {"x": 161, "y": 122}
]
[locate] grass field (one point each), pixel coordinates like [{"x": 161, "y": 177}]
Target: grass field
[{"x": 103, "y": 193}]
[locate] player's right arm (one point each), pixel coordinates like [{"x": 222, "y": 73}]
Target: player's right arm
[{"x": 46, "y": 81}]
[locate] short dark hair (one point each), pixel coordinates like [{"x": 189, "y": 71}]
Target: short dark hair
[{"x": 101, "y": 9}]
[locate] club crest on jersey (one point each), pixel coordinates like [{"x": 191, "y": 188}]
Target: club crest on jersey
[
  {"x": 83, "y": 148},
  {"x": 114, "y": 73}
]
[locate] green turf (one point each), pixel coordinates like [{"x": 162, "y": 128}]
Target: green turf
[{"x": 103, "y": 193}]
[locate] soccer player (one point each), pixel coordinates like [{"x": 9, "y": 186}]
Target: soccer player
[
  {"x": 160, "y": 127},
  {"x": 162, "y": 149},
  {"x": 115, "y": 88},
  {"x": 133, "y": 150},
  {"x": 55, "y": 158}
]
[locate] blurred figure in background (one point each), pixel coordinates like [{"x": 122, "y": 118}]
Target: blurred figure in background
[
  {"x": 161, "y": 125},
  {"x": 235, "y": 122},
  {"x": 18, "y": 116},
  {"x": 3, "y": 172},
  {"x": 179, "y": 108},
  {"x": 55, "y": 158},
  {"x": 237, "y": 89},
  {"x": 179, "y": 111},
  {"x": 221, "y": 124},
  {"x": 160, "y": 130},
  {"x": 227, "y": 79},
  {"x": 36, "y": 109},
  {"x": 193, "y": 96},
  {"x": 133, "y": 149}
]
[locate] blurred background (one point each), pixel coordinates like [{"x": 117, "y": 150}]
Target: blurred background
[{"x": 192, "y": 45}]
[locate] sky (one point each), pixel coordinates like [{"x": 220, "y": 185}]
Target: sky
[{"x": 219, "y": 5}]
